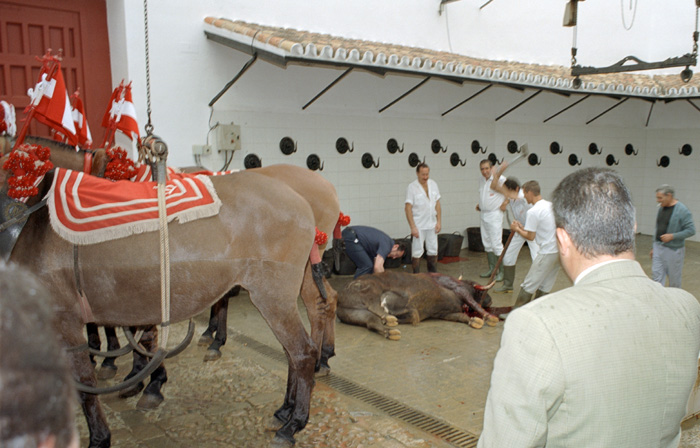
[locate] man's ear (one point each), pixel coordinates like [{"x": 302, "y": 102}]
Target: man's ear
[{"x": 564, "y": 241}]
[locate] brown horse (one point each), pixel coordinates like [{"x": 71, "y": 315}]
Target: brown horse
[{"x": 260, "y": 240}]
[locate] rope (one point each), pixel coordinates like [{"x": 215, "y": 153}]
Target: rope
[
  {"x": 634, "y": 13},
  {"x": 149, "y": 126}
]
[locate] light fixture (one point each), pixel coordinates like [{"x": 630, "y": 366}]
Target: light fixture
[{"x": 686, "y": 74}]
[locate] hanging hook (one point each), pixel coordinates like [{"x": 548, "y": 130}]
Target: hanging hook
[
  {"x": 494, "y": 159},
  {"x": 593, "y": 149},
  {"x": 512, "y": 147},
  {"x": 574, "y": 161},
  {"x": 476, "y": 147},
  {"x": 554, "y": 148},
  {"x": 663, "y": 162},
  {"x": 342, "y": 146},
  {"x": 288, "y": 146},
  {"x": 436, "y": 146},
  {"x": 610, "y": 160},
  {"x": 686, "y": 150},
  {"x": 630, "y": 151},
  {"x": 455, "y": 160},
  {"x": 313, "y": 162},
  {"x": 393, "y": 146},
  {"x": 534, "y": 160},
  {"x": 368, "y": 161}
]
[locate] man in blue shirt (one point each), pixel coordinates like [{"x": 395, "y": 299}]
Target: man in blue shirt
[
  {"x": 674, "y": 224},
  {"x": 368, "y": 247}
]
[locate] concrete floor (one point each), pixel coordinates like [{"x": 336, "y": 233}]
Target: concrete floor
[{"x": 439, "y": 368}]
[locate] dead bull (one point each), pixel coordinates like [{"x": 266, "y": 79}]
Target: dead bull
[{"x": 382, "y": 301}]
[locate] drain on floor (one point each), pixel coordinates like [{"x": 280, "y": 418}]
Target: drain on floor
[{"x": 396, "y": 409}]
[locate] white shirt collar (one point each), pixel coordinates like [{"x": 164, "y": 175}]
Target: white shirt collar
[{"x": 593, "y": 268}]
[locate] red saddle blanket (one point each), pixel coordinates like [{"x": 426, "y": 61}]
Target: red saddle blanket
[{"x": 86, "y": 209}]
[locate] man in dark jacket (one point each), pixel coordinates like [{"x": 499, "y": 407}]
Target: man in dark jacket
[{"x": 368, "y": 247}]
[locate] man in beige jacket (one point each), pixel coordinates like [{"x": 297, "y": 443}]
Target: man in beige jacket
[{"x": 608, "y": 362}]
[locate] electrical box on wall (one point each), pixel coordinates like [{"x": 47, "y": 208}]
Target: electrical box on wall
[{"x": 229, "y": 137}]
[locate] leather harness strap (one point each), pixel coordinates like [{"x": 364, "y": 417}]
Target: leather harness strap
[{"x": 87, "y": 162}]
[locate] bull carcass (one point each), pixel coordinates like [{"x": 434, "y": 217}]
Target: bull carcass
[{"x": 382, "y": 301}]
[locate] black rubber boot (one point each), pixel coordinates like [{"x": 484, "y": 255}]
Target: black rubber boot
[
  {"x": 432, "y": 263},
  {"x": 415, "y": 264}
]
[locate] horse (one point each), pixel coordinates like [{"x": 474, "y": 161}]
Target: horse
[
  {"x": 321, "y": 196},
  {"x": 260, "y": 239}
]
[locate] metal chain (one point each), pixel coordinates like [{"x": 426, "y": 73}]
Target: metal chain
[
  {"x": 149, "y": 126},
  {"x": 695, "y": 34}
]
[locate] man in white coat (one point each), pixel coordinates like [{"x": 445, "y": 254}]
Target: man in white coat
[
  {"x": 424, "y": 216},
  {"x": 608, "y": 362},
  {"x": 491, "y": 205}
]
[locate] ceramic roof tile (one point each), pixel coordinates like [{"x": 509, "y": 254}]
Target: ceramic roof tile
[{"x": 314, "y": 46}]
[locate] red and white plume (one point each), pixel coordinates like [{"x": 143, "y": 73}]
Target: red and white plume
[
  {"x": 8, "y": 122},
  {"x": 82, "y": 128},
  {"x": 49, "y": 99},
  {"x": 121, "y": 113}
]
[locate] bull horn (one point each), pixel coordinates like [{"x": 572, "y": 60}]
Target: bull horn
[
  {"x": 460, "y": 277},
  {"x": 485, "y": 288}
]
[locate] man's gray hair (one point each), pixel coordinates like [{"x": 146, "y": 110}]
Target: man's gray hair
[
  {"x": 666, "y": 189},
  {"x": 595, "y": 208}
]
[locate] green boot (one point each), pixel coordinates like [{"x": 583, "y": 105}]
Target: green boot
[
  {"x": 508, "y": 278},
  {"x": 539, "y": 293},
  {"x": 499, "y": 276},
  {"x": 492, "y": 263},
  {"x": 523, "y": 298}
]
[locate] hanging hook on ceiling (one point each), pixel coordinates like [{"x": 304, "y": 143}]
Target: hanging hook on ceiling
[
  {"x": 368, "y": 161},
  {"x": 393, "y": 146},
  {"x": 610, "y": 160},
  {"x": 477, "y": 148},
  {"x": 436, "y": 146},
  {"x": 574, "y": 160},
  {"x": 455, "y": 160},
  {"x": 630, "y": 151}
]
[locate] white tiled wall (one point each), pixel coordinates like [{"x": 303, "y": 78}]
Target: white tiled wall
[{"x": 376, "y": 196}]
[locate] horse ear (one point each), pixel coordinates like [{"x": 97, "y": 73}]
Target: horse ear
[{"x": 99, "y": 163}]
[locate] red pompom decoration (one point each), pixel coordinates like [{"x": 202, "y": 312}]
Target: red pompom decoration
[
  {"x": 28, "y": 164},
  {"x": 321, "y": 237},
  {"x": 120, "y": 167},
  {"x": 344, "y": 220}
]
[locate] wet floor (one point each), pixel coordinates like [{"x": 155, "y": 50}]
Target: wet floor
[{"x": 439, "y": 371}]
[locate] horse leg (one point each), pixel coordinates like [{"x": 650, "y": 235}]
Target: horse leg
[
  {"x": 139, "y": 362},
  {"x": 321, "y": 314},
  {"x": 152, "y": 396},
  {"x": 93, "y": 337},
  {"x": 108, "y": 369},
  {"x": 279, "y": 309},
  {"x": 207, "y": 337},
  {"x": 213, "y": 352}
]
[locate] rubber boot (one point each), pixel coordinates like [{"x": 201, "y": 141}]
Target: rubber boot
[
  {"x": 415, "y": 264},
  {"x": 432, "y": 263},
  {"x": 508, "y": 278},
  {"x": 499, "y": 276},
  {"x": 539, "y": 293},
  {"x": 523, "y": 298},
  {"x": 492, "y": 262}
]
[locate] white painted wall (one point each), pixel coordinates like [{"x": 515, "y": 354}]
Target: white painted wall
[{"x": 187, "y": 71}]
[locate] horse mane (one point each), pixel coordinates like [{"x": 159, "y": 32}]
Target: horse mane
[{"x": 52, "y": 143}]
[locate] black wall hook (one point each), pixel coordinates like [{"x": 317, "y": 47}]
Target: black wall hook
[
  {"x": 686, "y": 150},
  {"x": 288, "y": 146},
  {"x": 512, "y": 147},
  {"x": 630, "y": 151},
  {"x": 663, "y": 162},
  {"x": 555, "y": 149},
  {"x": 314, "y": 163},
  {"x": 494, "y": 159},
  {"x": 368, "y": 161},
  {"x": 476, "y": 147},
  {"x": 610, "y": 160},
  {"x": 455, "y": 160},
  {"x": 414, "y": 160},
  {"x": 342, "y": 146},
  {"x": 574, "y": 160},
  {"x": 252, "y": 161},
  {"x": 393, "y": 146},
  {"x": 593, "y": 149},
  {"x": 436, "y": 146},
  {"x": 533, "y": 160}
]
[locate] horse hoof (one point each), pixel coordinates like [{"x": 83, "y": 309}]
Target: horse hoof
[
  {"x": 212, "y": 355},
  {"x": 323, "y": 371},
  {"x": 149, "y": 401},
  {"x": 280, "y": 442},
  {"x": 205, "y": 341},
  {"x": 394, "y": 335},
  {"x": 131, "y": 391},
  {"x": 476, "y": 323},
  {"x": 273, "y": 424},
  {"x": 106, "y": 372},
  {"x": 492, "y": 320},
  {"x": 391, "y": 321}
]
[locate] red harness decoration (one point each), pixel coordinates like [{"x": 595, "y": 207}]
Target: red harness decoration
[
  {"x": 86, "y": 209},
  {"x": 28, "y": 165}
]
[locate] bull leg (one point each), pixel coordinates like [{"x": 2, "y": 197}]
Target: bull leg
[
  {"x": 368, "y": 319},
  {"x": 152, "y": 396},
  {"x": 108, "y": 369},
  {"x": 474, "y": 322}
]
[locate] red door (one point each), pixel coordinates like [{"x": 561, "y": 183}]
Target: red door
[{"x": 75, "y": 28}]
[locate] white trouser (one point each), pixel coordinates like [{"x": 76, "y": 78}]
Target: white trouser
[
  {"x": 492, "y": 231},
  {"x": 427, "y": 237},
  {"x": 516, "y": 243},
  {"x": 667, "y": 262},
  {"x": 542, "y": 273}
]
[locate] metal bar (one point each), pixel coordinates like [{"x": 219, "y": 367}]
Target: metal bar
[
  {"x": 468, "y": 99},
  {"x": 519, "y": 104},
  {"x": 566, "y": 108},
  {"x": 681, "y": 61},
  {"x": 247, "y": 65},
  {"x": 607, "y": 110},
  {"x": 328, "y": 87},
  {"x": 404, "y": 95},
  {"x": 694, "y": 105},
  {"x": 649, "y": 116}
]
